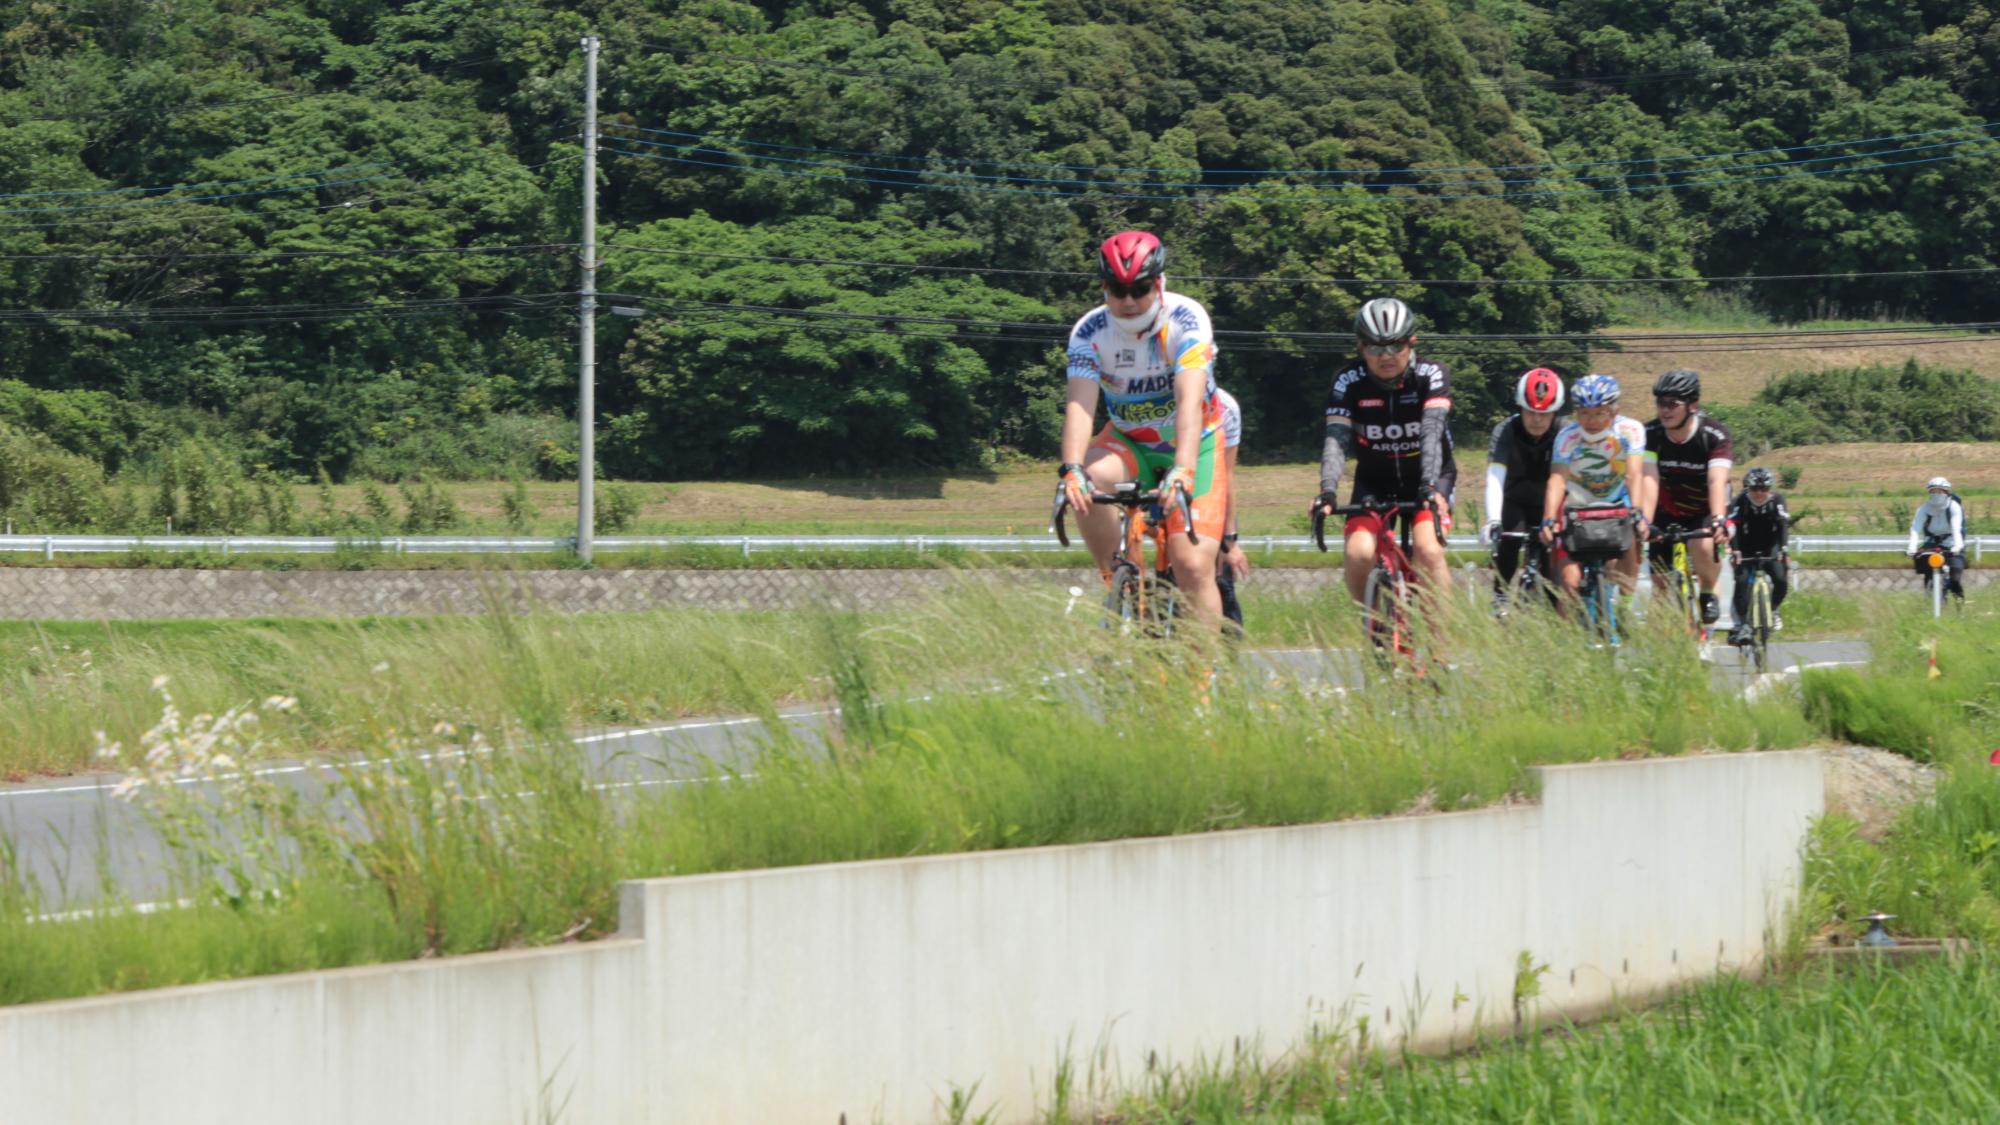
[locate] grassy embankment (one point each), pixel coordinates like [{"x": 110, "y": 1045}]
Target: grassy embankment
[
  {"x": 515, "y": 847},
  {"x": 1901, "y": 1045}
]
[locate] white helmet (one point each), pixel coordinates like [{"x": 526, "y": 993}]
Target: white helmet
[
  {"x": 1937, "y": 483},
  {"x": 1385, "y": 320}
]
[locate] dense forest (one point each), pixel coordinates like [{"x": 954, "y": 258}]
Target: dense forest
[{"x": 308, "y": 239}]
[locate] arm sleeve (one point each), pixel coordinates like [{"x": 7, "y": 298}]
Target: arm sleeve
[
  {"x": 1784, "y": 526},
  {"x": 1333, "y": 454},
  {"x": 1496, "y": 490},
  {"x": 1957, "y": 527},
  {"x": 1433, "y": 453},
  {"x": 1916, "y": 529}
]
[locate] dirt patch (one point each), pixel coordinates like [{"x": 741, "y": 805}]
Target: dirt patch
[{"x": 1873, "y": 785}]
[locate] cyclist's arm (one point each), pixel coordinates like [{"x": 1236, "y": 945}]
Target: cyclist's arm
[
  {"x": 1648, "y": 495},
  {"x": 1784, "y": 519},
  {"x": 1956, "y": 513},
  {"x": 1229, "y": 515},
  {"x": 1334, "y": 452},
  {"x": 1432, "y": 458},
  {"x": 1718, "y": 489},
  {"x": 1079, "y": 417},
  {"x": 1496, "y": 490},
  {"x": 1916, "y": 529},
  {"x": 1552, "y": 497}
]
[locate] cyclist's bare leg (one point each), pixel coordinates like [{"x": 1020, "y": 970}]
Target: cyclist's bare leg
[
  {"x": 1570, "y": 573},
  {"x": 1701, "y": 555},
  {"x": 1100, "y": 525},
  {"x": 1430, "y": 561},
  {"x": 1194, "y": 573},
  {"x": 1625, "y": 571},
  {"x": 1360, "y": 559}
]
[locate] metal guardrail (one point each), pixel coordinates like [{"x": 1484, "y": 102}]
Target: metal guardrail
[{"x": 49, "y": 546}]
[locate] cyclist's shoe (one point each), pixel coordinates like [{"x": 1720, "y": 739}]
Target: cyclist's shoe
[
  {"x": 1710, "y": 611},
  {"x": 1739, "y": 634},
  {"x": 1499, "y": 603},
  {"x": 1777, "y": 621}
]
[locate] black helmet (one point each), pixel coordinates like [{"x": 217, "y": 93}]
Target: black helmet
[
  {"x": 1758, "y": 478},
  {"x": 1679, "y": 383}
]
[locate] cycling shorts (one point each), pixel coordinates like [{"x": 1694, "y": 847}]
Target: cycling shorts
[
  {"x": 1149, "y": 466},
  {"x": 1375, "y": 524}
]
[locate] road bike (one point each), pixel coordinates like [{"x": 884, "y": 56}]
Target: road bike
[
  {"x": 1595, "y": 538},
  {"x": 1386, "y": 605},
  {"x": 1762, "y": 618},
  {"x": 1686, "y": 587},
  {"x": 1136, "y": 600},
  {"x": 1532, "y": 577}
]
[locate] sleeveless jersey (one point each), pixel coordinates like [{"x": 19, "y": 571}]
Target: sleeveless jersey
[
  {"x": 1597, "y": 467},
  {"x": 1137, "y": 373}
]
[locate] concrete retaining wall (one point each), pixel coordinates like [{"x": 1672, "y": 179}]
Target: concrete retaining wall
[
  {"x": 869, "y": 989},
  {"x": 81, "y": 594}
]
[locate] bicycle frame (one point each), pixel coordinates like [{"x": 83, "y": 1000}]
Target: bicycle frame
[
  {"x": 1389, "y": 580},
  {"x": 1535, "y": 562},
  {"x": 1762, "y": 616},
  {"x": 1152, "y": 600},
  {"x": 1687, "y": 587}
]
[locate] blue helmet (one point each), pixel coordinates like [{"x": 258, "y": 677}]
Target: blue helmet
[{"x": 1594, "y": 390}]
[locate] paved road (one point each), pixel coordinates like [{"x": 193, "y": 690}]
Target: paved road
[{"x": 70, "y": 833}]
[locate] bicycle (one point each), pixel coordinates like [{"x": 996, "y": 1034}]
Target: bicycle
[
  {"x": 1686, "y": 587},
  {"x": 1935, "y": 561},
  {"x": 1385, "y": 599},
  {"x": 1763, "y": 618},
  {"x": 1596, "y": 590},
  {"x": 1530, "y": 578},
  {"x": 1150, "y": 603}
]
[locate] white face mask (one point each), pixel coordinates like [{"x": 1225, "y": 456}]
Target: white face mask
[{"x": 1141, "y": 324}]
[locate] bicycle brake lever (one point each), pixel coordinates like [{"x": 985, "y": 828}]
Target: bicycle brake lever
[
  {"x": 1056, "y": 517},
  {"x": 1186, "y": 507}
]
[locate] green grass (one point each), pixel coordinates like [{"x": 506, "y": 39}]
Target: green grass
[
  {"x": 513, "y": 848},
  {"x": 1908, "y": 1045}
]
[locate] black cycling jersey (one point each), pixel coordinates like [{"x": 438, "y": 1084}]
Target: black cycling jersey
[
  {"x": 1389, "y": 425},
  {"x": 1526, "y": 459},
  {"x": 1760, "y": 531},
  {"x": 1684, "y": 468}
]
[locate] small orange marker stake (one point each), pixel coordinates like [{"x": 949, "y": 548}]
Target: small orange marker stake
[{"x": 1931, "y": 648}]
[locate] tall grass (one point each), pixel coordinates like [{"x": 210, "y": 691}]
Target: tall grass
[
  {"x": 1910, "y": 1045},
  {"x": 975, "y": 721}
]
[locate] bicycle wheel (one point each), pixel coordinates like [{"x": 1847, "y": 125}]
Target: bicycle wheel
[
  {"x": 1383, "y": 619},
  {"x": 1122, "y": 601},
  {"x": 1163, "y": 606},
  {"x": 1761, "y": 618}
]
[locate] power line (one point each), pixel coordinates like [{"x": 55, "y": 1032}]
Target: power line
[
  {"x": 1983, "y": 127},
  {"x": 1397, "y": 83},
  {"x": 382, "y": 252},
  {"x": 1484, "y": 282},
  {"x": 1238, "y": 194}
]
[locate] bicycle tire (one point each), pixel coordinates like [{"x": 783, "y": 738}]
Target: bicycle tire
[
  {"x": 1121, "y": 601},
  {"x": 1761, "y": 619},
  {"x": 1163, "y": 606},
  {"x": 1379, "y": 612}
]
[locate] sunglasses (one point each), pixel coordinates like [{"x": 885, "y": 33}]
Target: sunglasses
[
  {"x": 1129, "y": 292},
  {"x": 1670, "y": 402},
  {"x": 1382, "y": 351}
]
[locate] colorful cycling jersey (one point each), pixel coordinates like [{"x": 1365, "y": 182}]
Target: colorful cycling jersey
[
  {"x": 1684, "y": 465},
  {"x": 1597, "y": 466},
  {"x": 1389, "y": 421},
  {"x": 1232, "y": 419},
  {"x": 1137, "y": 372}
]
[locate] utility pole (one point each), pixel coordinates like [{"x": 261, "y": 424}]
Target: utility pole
[{"x": 586, "y": 344}]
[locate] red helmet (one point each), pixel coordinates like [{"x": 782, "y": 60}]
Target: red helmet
[
  {"x": 1540, "y": 390},
  {"x": 1131, "y": 257}
]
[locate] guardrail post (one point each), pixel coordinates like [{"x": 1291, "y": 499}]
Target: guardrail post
[
  {"x": 399, "y": 544},
  {"x": 920, "y": 544},
  {"x": 225, "y": 546},
  {"x": 746, "y": 546},
  {"x": 49, "y": 548},
  {"x": 1270, "y": 545}
]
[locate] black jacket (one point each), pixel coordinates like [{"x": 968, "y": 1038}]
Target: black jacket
[{"x": 1760, "y": 532}]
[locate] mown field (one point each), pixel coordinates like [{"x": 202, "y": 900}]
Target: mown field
[{"x": 1855, "y": 487}]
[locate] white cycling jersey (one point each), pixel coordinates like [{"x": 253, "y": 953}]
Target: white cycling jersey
[
  {"x": 1945, "y": 519},
  {"x": 1136, "y": 372},
  {"x": 1232, "y": 419}
]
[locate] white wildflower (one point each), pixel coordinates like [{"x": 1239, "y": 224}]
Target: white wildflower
[
  {"x": 159, "y": 682},
  {"x": 381, "y": 668},
  {"x": 128, "y": 788},
  {"x": 107, "y": 751},
  {"x": 280, "y": 703}
]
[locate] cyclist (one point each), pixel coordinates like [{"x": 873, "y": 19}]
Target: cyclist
[
  {"x": 1763, "y": 528},
  {"x": 1597, "y": 462},
  {"x": 1687, "y": 476},
  {"x": 1150, "y": 355},
  {"x": 1517, "y": 472},
  {"x": 1233, "y": 563},
  {"x": 1387, "y": 411},
  {"x": 1940, "y": 521}
]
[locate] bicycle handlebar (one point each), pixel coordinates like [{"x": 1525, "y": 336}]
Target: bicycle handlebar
[
  {"x": 1687, "y": 535},
  {"x": 1124, "y": 499}
]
